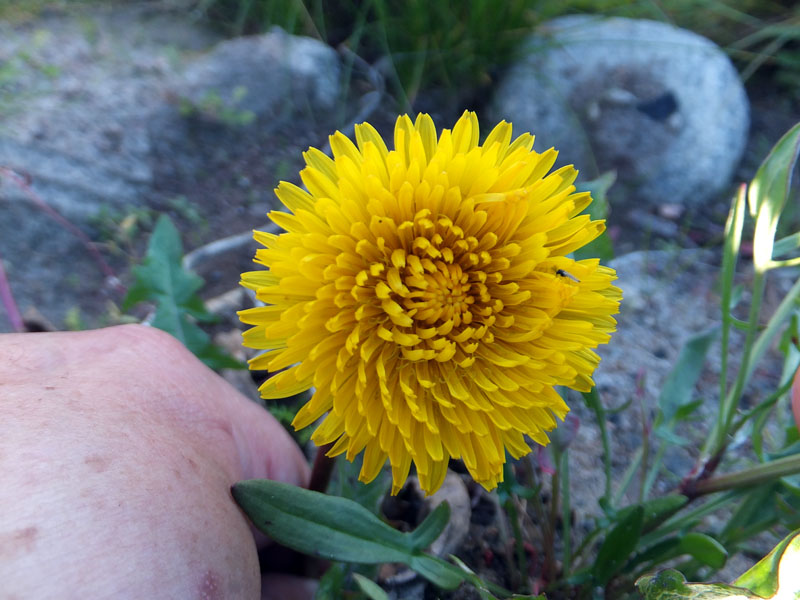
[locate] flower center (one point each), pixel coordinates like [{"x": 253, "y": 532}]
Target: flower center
[
  {"x": 435, "y": 289},
  {"x": 443, "y": 295}
]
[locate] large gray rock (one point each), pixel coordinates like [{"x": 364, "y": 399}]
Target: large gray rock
[
  {"x": 91, "y": 115},
  {"x": 75, "y": 96},
  {"x": 241, "y": 93},
  {"x": 662, "y": 106},
  {"x": 262, "y": 77}
]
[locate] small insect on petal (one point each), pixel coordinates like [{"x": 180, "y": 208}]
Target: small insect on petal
[{"x": 567, "y": 274}]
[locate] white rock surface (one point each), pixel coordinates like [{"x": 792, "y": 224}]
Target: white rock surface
[{"x": 662, "y": 106}]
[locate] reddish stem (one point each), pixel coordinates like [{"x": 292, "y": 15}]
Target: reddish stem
[
  {"x": 10, "y": 305},
  {"x": 23, "y": 183},
  {"x": 322, "y": 470}
]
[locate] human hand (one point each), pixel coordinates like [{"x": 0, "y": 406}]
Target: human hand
[{"x": 117, "y": 452}]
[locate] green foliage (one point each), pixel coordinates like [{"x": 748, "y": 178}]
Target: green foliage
[
  {"x": 775, "y": 576},
  {"x": 161, "y": 279},
  {"x": 629, "y": 541},
  {"x": 657, "y": 510},
  {"x": 677, "y": 392},
  {"x": 119, "y": 229},
  {"x": 769, "y": 191},
  {"x": 671, "y": 585},
  {"x": 187, "y": 210},
  {"x": 24, "y": 10},
  {"x": 431, "y": 528},
  {"x": 619, "y": 543},
  {"x": 453, "y": 46},
  {"x": 15, "y": 69},
  {"x": 284, "y": 414},
  {"x": 705, "y": 549},
  {"x": 764, "y": 578},
  {"x": 445, "y": 45},
  {"x": 602, "y": 247},
  {"x": 481, "y": 586},
  {"x": 332, "y": 583},
  {"x": 765, "y": 494},
  {"x": 345, "y": 483},
  {"x": 370, "y": 588},
  {"x": 213, "y": 107},
  {"x": 335, "y": 528},
  {"x": 74, "y": 320}
]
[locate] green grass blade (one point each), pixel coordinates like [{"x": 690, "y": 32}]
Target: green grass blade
[
  {"x": 371, "y": 589},
  {"x": 785, "y": 309},
  {"x": 766, "y": 198},
  {"x": 431, "y": 528},
  {"x": 618, "y": 545},
  {"x": 768, "y": 193},
  {"x": 601, "y": 247},
  {"x": 437, "y": 571},
  {"x": 785, "y": 245},
  {"x": 730, "y": 255},
  {"x": 678, "y": 388},
  {"x": 676, "y": 393},
  {"x": 593, "y": 402}
]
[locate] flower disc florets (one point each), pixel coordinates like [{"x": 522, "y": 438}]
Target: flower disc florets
[{"x": 426, "y": 294}]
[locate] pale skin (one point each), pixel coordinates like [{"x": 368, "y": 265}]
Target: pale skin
[{"x": 117, "y": 452}]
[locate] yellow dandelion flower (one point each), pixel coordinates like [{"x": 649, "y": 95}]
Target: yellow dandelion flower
[{"x": 427, "y": 295}]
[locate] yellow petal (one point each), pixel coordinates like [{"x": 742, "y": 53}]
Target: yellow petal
[{"x": 419, "y": 292}]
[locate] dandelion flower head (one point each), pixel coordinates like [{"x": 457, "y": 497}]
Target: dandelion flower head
[{"x": 427, "y": 296}]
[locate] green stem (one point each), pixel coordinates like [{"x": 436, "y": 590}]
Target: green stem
[
  {"x": 592, "y": 399},
  {"x": 766, "y": 404},
  {"x": 757, "y": 475},
  {"x": 784, "y": 310},
  {"x": 754, "y": 350},
  {"x": 654, "y": 469},
  {"x": 566, "y": 516},
  {"x": 627, "y": 476},
  {"x": 645, "y": 451},
  {"x": 497, "y": 589},
  {"x": 472, "y": 578},
  {"x": 679, "y": 522},
  {"x": 733, "y": 241},
  {"x": 728, "y": 405},
  {"x": 550, "y": 530},
  {"x": 519, "y": 548}
]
